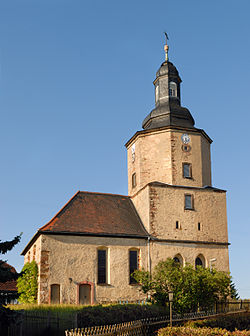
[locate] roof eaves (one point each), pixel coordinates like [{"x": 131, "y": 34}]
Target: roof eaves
[
  {"x": 165, "y": 185},
  {"x": 33, "y": 239},
  {"x": 117, "y": 235},
  {"x": 145, "y": 131}
]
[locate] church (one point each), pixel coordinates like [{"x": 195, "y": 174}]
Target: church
[{"x": 87, "y": 252}]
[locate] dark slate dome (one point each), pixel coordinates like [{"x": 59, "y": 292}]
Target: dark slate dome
[
  {"x": 168, "y": 110},
  {"x": 167, "y": 68}
]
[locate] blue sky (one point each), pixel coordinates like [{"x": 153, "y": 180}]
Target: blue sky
[{"x": 76, "y": 83}]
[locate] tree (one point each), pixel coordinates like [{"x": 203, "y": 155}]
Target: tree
[
  {"x": 5, "y": 273},
  {"x": 6, "y": 315},
  {"x": 233, "y": 291},
  {"x": 27, "y": 283},
  {"x": 194, "y": 288}
]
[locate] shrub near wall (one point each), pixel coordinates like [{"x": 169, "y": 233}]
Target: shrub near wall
[
  {"x": 106, "y": 315},
  {"x": 239, "y": 321},
  {"x": 188, "y": 331}
]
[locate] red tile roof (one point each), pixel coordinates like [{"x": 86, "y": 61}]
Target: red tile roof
[
  {"x": 97, "y": 213},
  {"x": 8, "y": 286}
]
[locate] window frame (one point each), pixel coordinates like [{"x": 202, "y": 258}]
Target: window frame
[
  {"x": 106, "y": 266},
  {"x": 190, "y": 170},
  {"x": 54, "y": 285},
  {"x": 192, "y": 202},
  {"x": 202, "y": 259},
  {"x": 133, "y": 180},
  {"x": 131, "y": 280},
  {"x": 180, "y": 259},
  {"x": 173, "y": 90}
]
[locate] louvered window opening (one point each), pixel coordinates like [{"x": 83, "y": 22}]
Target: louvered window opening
[
  {"x": 188, "y": 202},
  {"x": 101, "y": 266},
  {"x": 186, "y": 170}
]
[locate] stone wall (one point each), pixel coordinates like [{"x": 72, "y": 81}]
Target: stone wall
[
  {"x": 159, "y": 156},
  {"x": 71, "y": 260},
  {"x": 167, "y": 207},
  {"x": 189, "y": 252}
]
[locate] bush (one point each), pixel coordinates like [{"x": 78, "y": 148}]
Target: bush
[
  {"x": 193, "y": 288},
  {"x": 99, "y": 315},
  {"x": 27, "y": 283},
  {"x": 187, "y": 331},
  {"x": 232, "y": 322}
]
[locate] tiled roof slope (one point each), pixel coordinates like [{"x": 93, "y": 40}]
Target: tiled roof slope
[
  {"x": 8, "y": 286},
  {"x": 97, "y": 213}
]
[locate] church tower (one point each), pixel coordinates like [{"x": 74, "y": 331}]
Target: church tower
[{"x": 169, "y": 181}]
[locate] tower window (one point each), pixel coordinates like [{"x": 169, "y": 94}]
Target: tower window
[
  {"x": 134, "y": 180},
  {"x": 189, "y": 202},
  {"x": 199, "y": 226},
  {"x": 101, "y": 273},
  {"x": 187, "y": 171},
  {"x": 133, "y": 152},
  {"x": 133, "y": 265},
  {"x": 200, "y": 261},
  {"x": 178, "y": 259},
  {"x": 172, "y": 89},
  {"x": 177, "y": 225}
]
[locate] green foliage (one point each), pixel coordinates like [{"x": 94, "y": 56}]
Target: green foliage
[
  {"x": 233, "y": 291},
  {"x": 99, "y": 315},
  {"x": 8, "y": 245},
  {"x": 194, "y": 288},
  {"x": 188, "y": 331},
  {"x": 239, "y": 321},
  {"x": 6, "y": 274},
  {"x": 27, "y": 283}
]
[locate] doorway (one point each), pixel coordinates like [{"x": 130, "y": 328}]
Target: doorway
[
  {"x": 55, "y": 294},
  {"x": 85, "y": 294}
]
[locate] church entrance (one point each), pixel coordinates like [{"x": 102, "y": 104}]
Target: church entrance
[{"x": 85, "y": 294}]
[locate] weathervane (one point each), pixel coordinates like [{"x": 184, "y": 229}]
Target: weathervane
[{"x": 166, "y": 47}]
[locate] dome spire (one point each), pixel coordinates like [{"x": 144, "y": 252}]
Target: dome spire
[{"x": 166, "y": 47}]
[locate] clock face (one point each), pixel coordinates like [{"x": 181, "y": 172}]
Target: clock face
[{"x": 185, "y": 138}]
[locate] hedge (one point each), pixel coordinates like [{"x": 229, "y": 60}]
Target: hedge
[
  {"x": 187, "y": 331},
  {"x": 239, "y": 321}
]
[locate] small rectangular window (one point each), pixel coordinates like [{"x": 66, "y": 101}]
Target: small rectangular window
[
  {"x": 187, "y": 172},
  {"x": 199, "y": 226},
  {"x": 133, "y": 265},
  {"x": 134, "y": 180},
  {"x": 188, "y": 202},
  {"x": 177, "y": 225},
  {"x": 101, "y": 267}
]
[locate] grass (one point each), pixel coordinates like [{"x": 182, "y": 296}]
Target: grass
[{"x": 47, "y": 307}]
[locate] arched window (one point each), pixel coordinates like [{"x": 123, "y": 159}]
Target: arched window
[
  {"x": 178, "y": 259},
  {"x": 172, "y": 89},
  {"x": 200, "y": 261},
  {"x": 102, "y": 265},
  {"x": 134, "y": 255}
]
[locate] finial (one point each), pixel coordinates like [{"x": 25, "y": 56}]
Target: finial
[{"x": 166, "y": 47}]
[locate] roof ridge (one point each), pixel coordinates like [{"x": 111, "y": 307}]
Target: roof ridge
[{"x": 102, "y": 193}]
